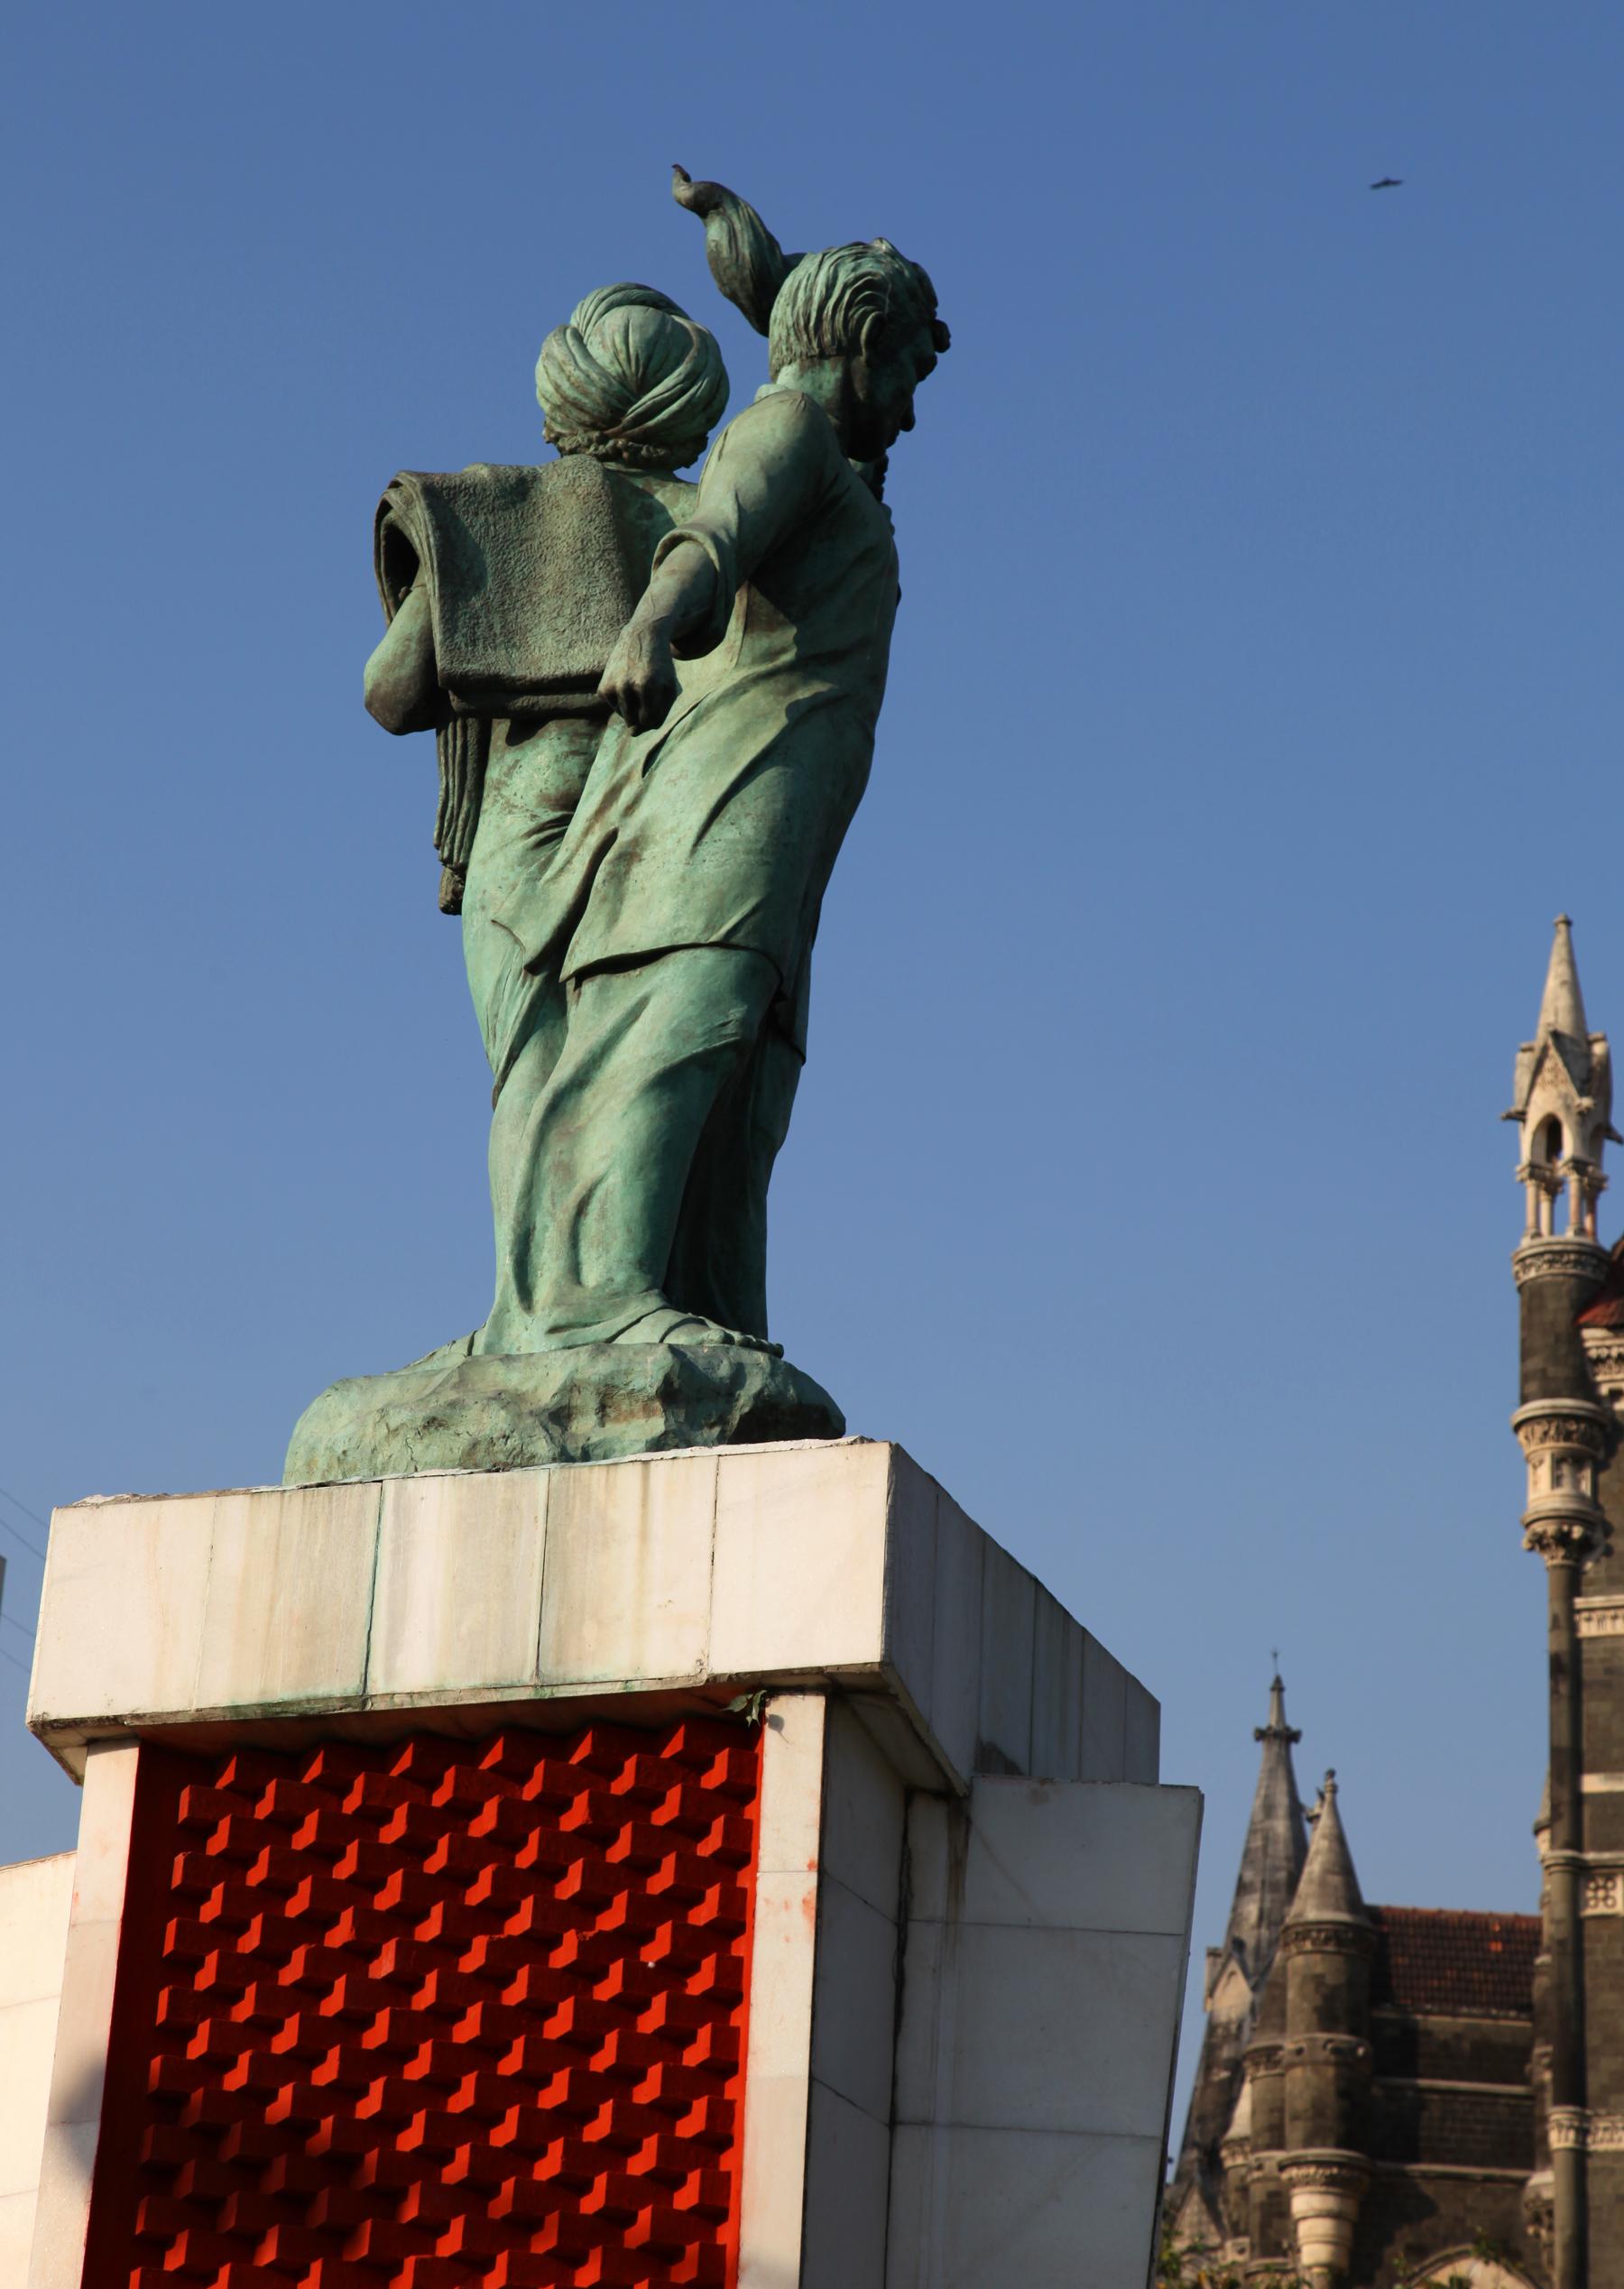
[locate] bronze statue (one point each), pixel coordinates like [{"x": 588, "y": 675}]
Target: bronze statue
[{"x": 642, "y": 890}]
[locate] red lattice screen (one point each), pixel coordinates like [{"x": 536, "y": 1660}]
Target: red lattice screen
[{"x": 434, "y": 2016}]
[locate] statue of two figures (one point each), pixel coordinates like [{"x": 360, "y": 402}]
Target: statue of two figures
[{"x": 654, "y": 703}]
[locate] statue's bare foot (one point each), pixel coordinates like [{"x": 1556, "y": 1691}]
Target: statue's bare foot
[{"x": 666, "y": 1325}]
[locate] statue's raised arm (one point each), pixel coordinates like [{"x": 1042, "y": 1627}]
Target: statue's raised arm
[{"x": 746, "y": 260}]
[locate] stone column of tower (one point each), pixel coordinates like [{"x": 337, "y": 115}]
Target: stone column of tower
[
  {"x": 1207, "y": 2199},
  {"x": 1561, "y": 1105},
  {"x": 1326, "y": 1948},
  {"x": 1268, "y": 2229}
]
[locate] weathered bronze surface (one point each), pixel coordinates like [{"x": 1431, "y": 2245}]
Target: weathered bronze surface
[{"x": 655, "y": 708}]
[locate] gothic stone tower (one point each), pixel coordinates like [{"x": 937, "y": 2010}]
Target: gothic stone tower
[
  {"x": 1271, "y": 1861},
  {"x": 1383, "y": 2132},
  {"x": 1571, "y": 1297},
  {"x": 1325, "y": 1950}
]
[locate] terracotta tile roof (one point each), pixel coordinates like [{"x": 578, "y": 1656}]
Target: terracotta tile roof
[
  {"x": 1608, "y": 1310},
  {"x": 1447, "y": 1959}
]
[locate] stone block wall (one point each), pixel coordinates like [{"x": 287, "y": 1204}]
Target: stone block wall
[
  {"x": 1419, "y": 2217},
  {"x": 1458, "y": 2126},
  {"x": 35, "y": 1895}
]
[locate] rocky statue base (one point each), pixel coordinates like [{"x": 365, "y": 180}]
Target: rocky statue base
[{"x": 595, "y": 1404}]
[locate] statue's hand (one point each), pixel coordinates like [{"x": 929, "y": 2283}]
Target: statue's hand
[{"x": 641, "y": 680}]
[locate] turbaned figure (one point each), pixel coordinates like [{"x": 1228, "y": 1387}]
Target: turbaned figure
[{"x": 640, "y": 808}]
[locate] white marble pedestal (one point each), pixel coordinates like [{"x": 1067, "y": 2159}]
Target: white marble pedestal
[{"x": 969, "y": 1897}]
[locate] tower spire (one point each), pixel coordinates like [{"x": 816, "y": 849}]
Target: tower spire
[
  {"x": 1329, "y": 1891},
  {"x": 1271, "y": 1862},
  {"x": 1562, "y": 1101},
  {"x": 1562, "y": 1010},
  {"x": 1277, "y": 1844},
  {"x": 1276, "y": 1727}
]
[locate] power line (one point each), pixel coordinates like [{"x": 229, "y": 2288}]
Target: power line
[
  {"x": 14, "y": 1660},
  {"x": 32, "y": 1548},
  {"x": 18, "y": 1504},
  {"x": 34, "y": 1551},
  {"x": 15, "y": 1624}
]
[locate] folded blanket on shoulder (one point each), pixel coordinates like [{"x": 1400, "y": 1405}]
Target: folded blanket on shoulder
[{"x": 532, "y": 575}]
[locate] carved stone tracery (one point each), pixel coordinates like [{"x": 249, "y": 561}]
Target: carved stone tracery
[
  {"x": 1328, "y": 1939},
  {"x": 1564, "y": 1443},
  {"x": 1558, "y": 1259},
  {"x": 1333, "y": 2170},
  {"x": 1604, "y": 1349},
  {"x": 1586, "y": 2129},
  {"x": 1544, "y": 1424},
  {"x": 1539, "y": 2207},
  {"x": 1326, "y": 2188},
  {"x": 1564, "y": 1539},
  {"x": 1599, "y": 1617}
]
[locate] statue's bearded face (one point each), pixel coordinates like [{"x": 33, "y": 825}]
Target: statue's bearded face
[{"x": 883, "y": 385}]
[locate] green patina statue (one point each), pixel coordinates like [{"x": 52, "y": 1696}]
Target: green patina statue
[{"x": 654, "y": 705}]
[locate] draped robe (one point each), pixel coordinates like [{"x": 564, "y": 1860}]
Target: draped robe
[{"x": 719, "y": 829}]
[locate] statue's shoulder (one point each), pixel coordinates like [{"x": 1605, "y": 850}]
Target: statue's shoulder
[
  {"x": 507, "y": 480},
  {"x": 573, "y": 475},
  {"x": 783, "y": 421}
]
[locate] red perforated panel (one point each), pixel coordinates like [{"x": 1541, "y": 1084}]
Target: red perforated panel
[{"x": 442, "y": 2016}]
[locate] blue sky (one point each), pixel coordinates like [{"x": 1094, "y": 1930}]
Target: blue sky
[{"x": 1254, "y": 708}]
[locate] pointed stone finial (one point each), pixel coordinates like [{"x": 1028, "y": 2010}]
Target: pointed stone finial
[
  {"x": 1562, "y": 1010},
  {"x": 1277, "y": 1728},
  {"x": 1329, "y": 1890}
]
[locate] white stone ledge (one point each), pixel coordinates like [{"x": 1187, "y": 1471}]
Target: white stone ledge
[{"x": 452, "y": 1597}]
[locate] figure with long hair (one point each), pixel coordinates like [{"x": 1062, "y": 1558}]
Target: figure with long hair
[{"x": 681, "y": 905}]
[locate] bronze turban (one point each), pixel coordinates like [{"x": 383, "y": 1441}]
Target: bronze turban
[{"x": 631, "y": 378}]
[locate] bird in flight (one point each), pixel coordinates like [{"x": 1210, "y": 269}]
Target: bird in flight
[{"x": 1388, "y": 182}]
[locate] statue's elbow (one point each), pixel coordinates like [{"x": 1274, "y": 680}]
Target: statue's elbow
[
  {"x": 384, "y": 703},
  {"x": 396, "y": 695}
]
